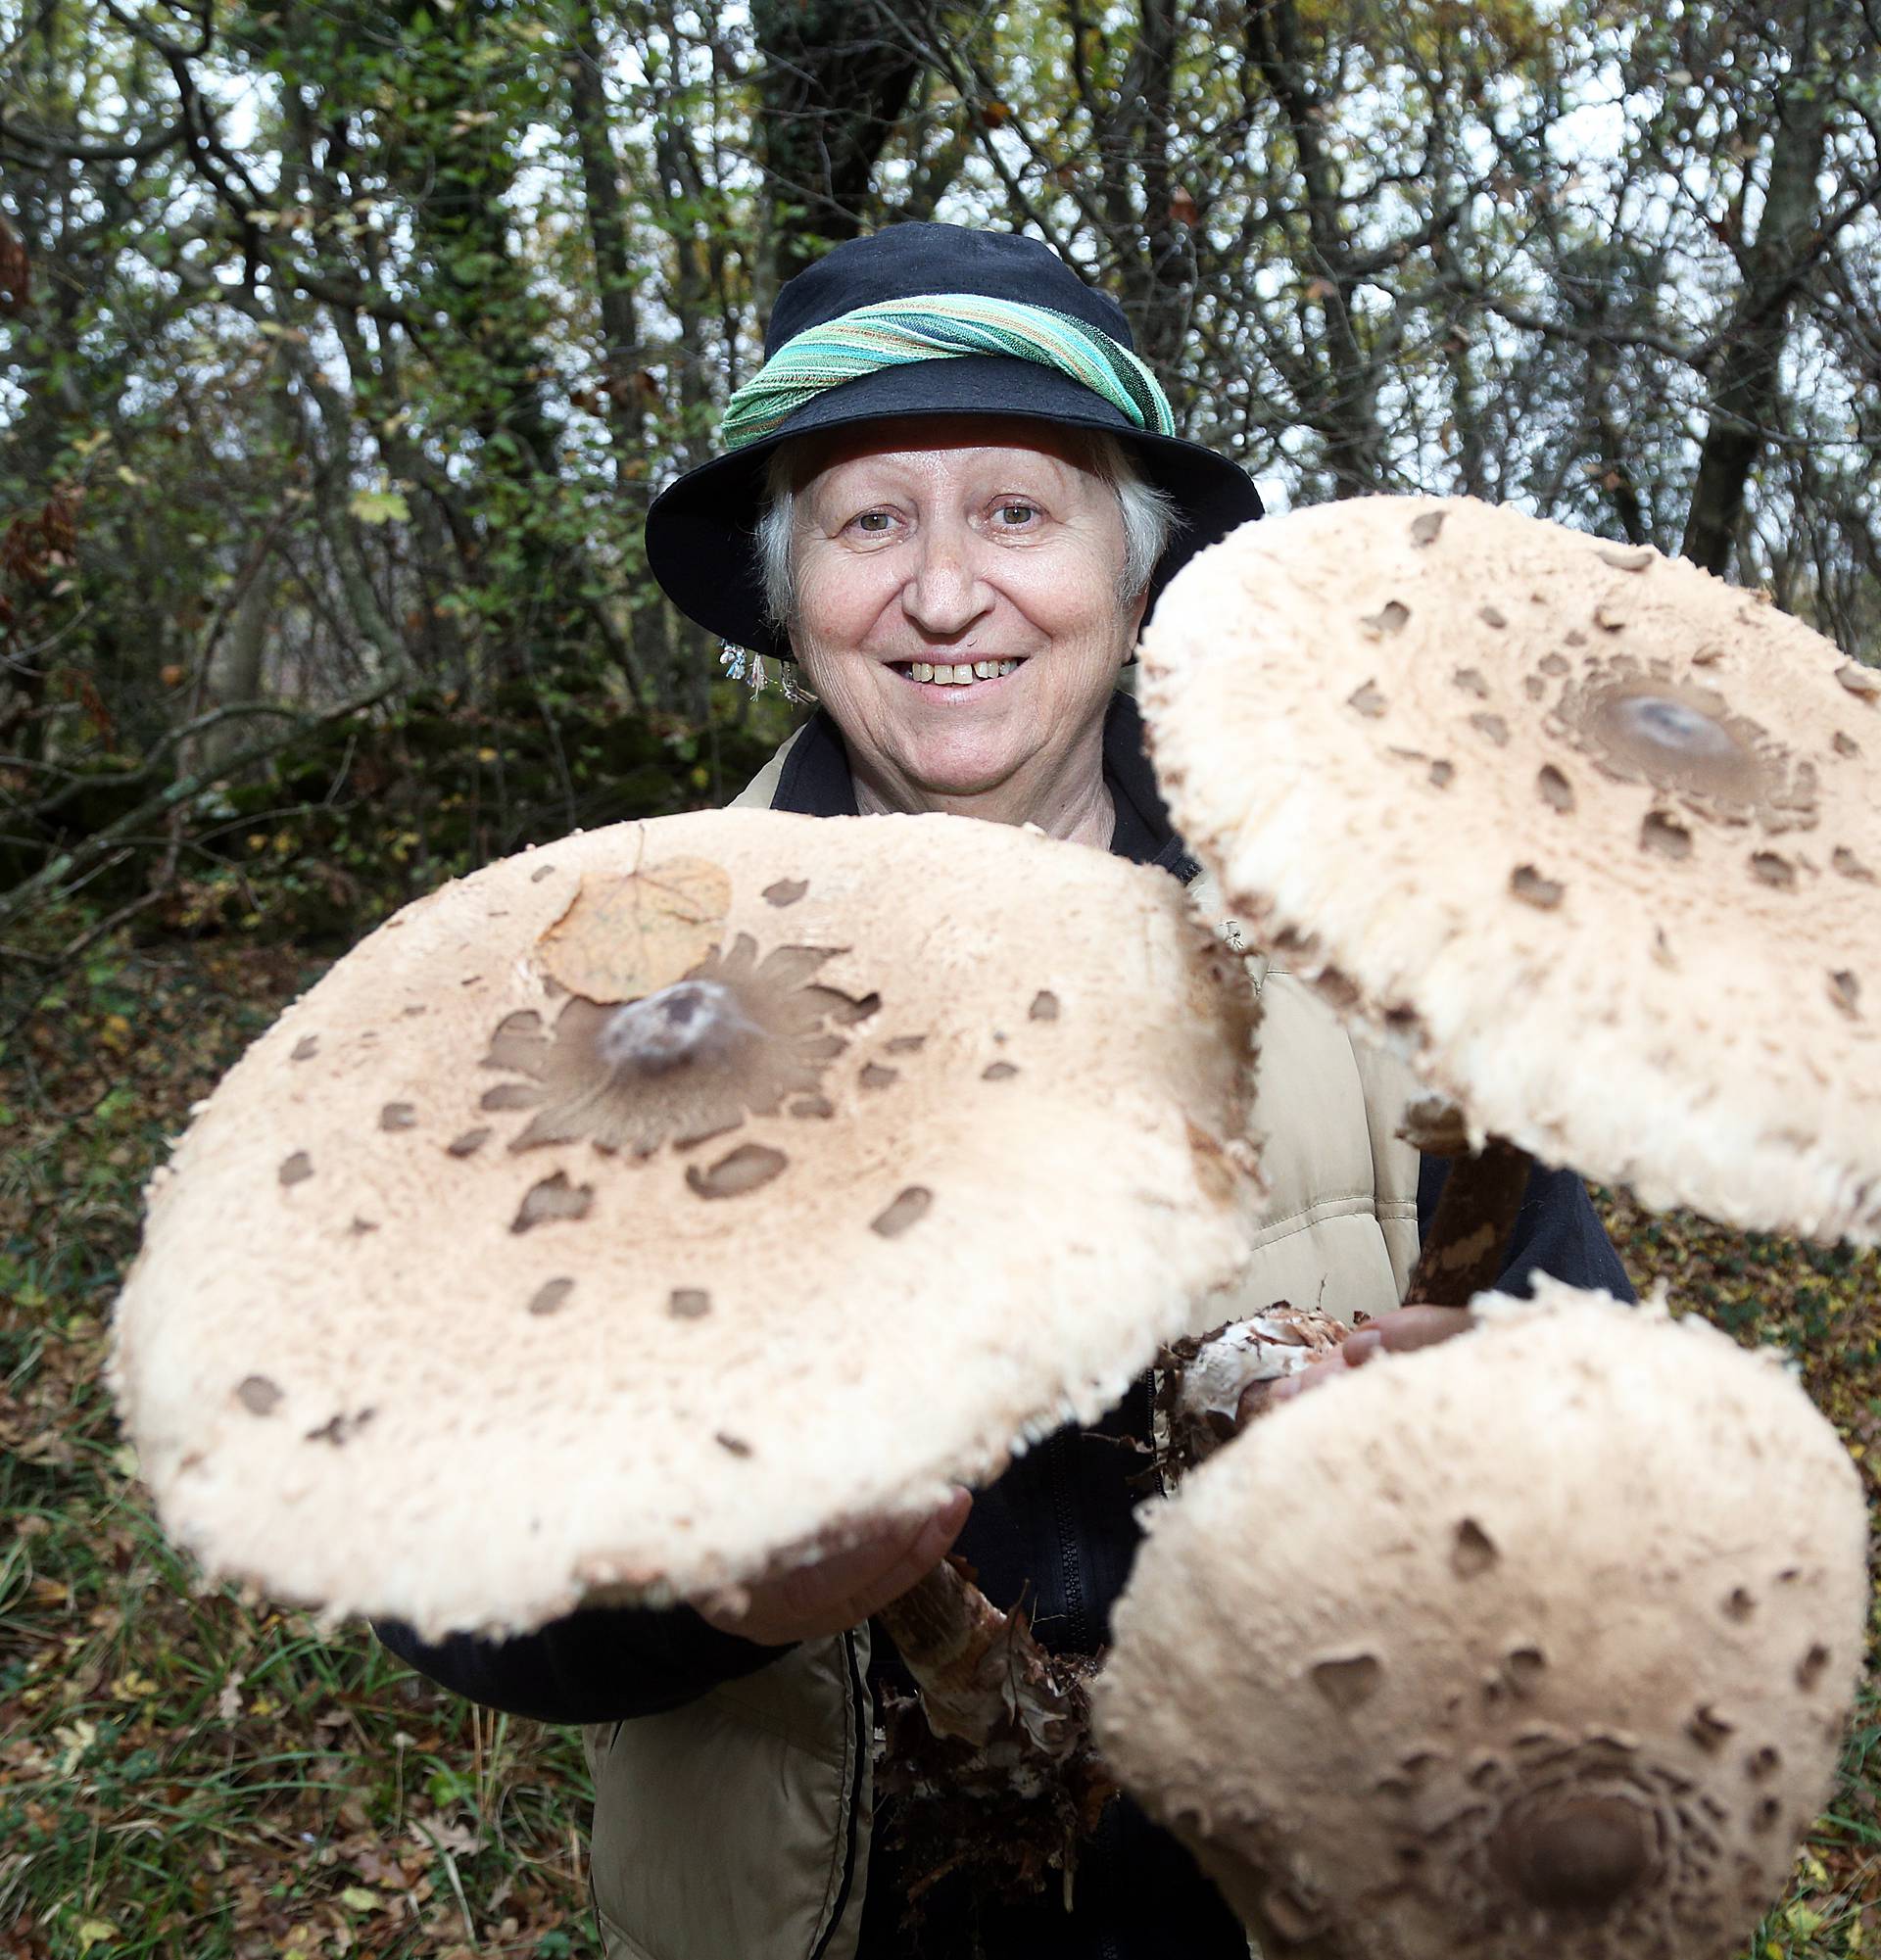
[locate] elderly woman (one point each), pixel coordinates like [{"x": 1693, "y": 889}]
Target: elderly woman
[{"x": 950, "y": 496}]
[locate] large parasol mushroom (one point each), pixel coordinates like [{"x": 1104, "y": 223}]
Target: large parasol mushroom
[
  {"x": 1569, "y": 1678},
  {"x": 1588, "y": 836},
  {"x": 658, "y": 1210}
]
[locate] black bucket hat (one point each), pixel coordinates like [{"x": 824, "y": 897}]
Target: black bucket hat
[{"x": 701, "y": 531}]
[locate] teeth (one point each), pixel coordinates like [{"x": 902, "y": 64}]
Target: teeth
[{"x": 950, "y": 675}]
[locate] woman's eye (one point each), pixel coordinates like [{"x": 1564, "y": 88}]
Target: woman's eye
[
  {"x": 1013, "y": 515},
  {"x": 873, "y": 522}
]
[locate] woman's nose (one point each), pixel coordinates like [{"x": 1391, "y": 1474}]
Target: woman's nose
[{"x": 944, "y": 595}]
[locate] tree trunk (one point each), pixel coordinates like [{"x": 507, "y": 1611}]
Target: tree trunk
[
  {"x": 1343, "y": 405},
  {"x": 458, "y": 166},
  {"x": 1744, "y": 405},
  {"x": 611, "y": 239},
  {"x": 235, "y": 662},
  {"x": 835, "y": 77},
  {"x": 1162, "y": 294}
]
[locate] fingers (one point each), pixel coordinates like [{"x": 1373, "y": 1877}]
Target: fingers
[
  {"x": 842, "y": 1590},
  {"x": 932, "y": 1538},
  {"x": 1260, "y": 1396},
  {"x": 854, "y": 1583},
  {"x": 1399, "y": 1332},
  {"x": 1315, "y": 1375},
  {"x": 1417, "y": 1327}
]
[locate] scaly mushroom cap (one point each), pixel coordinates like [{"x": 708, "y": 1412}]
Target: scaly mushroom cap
[
  {"x": 1537, "y": 1642},
  {"x": 1592, "y": 838},
  {"x": 646, "y": 1209}
]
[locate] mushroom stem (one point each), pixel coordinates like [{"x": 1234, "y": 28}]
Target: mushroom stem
[
  {"x": 980, "y": 1670},
  {"x": 1462, "y": 1254},
  {"x": 1202, "y": 1381}
]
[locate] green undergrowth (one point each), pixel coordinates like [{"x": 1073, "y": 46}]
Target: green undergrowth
[
  {"x": 187, "y": 1774},
  {"x": 183, "y": 1773}
]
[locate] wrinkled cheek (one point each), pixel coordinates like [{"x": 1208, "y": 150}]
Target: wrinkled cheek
[
  {"x": 865, "y": 701},
  {"x": 835, "y": 679}
]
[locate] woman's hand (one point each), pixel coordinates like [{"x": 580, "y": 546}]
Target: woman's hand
[
  {"x": 1393, "y": 1333},
  {"x": 841, "y": 1591}
]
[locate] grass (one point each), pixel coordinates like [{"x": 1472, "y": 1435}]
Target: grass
[
  {"x": 182, "y": 1772},
  {"x": 188, "y": 1774}
]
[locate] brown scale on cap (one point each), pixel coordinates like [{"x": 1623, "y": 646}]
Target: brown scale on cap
[
  {"x": 632, "y": 1177},
  {"x": 1537, "y": 1693},
  {"x": 1630, "y": 927}
]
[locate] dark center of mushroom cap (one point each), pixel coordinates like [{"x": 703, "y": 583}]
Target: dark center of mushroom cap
[
  {"x": 1576, "y": 1850},
  {"x": 1684, "y": 733},
  {"x": 1643, "y": 722},
  {"x": 1677, "y": 737},
  {"x": 733, "y": 1038},
  {"x": 690, "y": 1020}
]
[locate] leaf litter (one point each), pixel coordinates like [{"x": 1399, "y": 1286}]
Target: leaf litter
[{"x": 185, "y": 1773}]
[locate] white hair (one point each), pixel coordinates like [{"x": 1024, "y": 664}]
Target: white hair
[{"x": 1150, "y": 516}]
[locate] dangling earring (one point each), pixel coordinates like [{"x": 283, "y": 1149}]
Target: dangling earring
[{"x": 740, "y": 665}]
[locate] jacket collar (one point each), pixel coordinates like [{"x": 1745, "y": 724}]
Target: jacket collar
[{"x": 816, "y": 783}]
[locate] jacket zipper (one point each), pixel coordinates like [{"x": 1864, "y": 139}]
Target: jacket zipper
[
  {"x": 1064, "y": 1448},
  {"x": 1076, "y": 1618},
  {"x": 863, "y": 1743}
]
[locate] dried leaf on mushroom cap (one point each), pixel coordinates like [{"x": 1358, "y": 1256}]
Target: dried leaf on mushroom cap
[
  {"x": 1592, "y": 838},
  {"x": 648, "y": 1209},
  {"x": 1540, "y": 1641}
]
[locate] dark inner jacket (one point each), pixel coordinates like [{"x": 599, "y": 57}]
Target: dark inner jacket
[{"x": 1056, "y": 1532}]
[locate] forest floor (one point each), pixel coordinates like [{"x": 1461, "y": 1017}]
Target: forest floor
[{"x": 187, "y": 1774}]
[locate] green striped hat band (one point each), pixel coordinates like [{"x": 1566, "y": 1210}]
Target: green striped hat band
[{"x": 941, "y": 326}]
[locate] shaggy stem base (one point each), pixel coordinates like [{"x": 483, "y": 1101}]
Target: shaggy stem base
[{"x": 979, "y": 1670}]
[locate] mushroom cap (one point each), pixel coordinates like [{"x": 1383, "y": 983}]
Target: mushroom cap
[
  {"x": 644, "y": 1212},
  {"x": 1591, "y": 838},
  {"x": 1537, "y": 1642}
]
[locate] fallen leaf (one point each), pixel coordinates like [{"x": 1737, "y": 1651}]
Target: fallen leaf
[
  {"x": 623, "y": 937},
  {"x": 76, "y": 1741},
  {"x": 376, "y": 1867},
  {"x": 441, "y": 1834}
]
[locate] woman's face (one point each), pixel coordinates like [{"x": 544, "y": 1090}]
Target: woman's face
[{"x": 950, "y": 543}]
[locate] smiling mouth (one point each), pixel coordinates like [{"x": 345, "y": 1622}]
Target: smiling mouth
[{"x": 961, "y": 674}]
